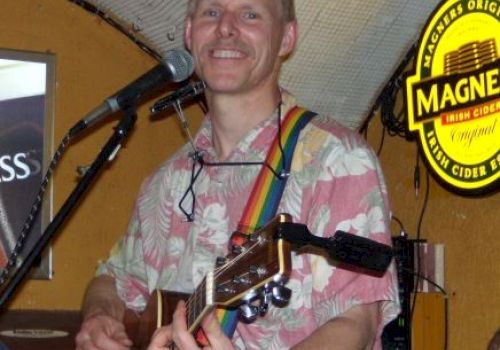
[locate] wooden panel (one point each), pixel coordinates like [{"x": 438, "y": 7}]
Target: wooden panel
[
  {"x": 428, "y": 329},
  {"x": 32, "y": 329}
]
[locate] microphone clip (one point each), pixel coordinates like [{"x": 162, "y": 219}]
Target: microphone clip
[{"x": 187, "y": 92}]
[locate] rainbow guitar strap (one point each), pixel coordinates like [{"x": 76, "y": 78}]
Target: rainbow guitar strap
[{"x": 266, "y": 195}]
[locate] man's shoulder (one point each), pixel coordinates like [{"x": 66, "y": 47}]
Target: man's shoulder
[{"x": 332, "y": 133}]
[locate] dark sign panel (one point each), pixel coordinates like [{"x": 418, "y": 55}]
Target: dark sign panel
[{"x": 26, "y": 83}]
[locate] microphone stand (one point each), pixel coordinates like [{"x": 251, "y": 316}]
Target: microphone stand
[{"x": 106, "y": 154}]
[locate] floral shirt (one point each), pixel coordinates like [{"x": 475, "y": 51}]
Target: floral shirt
[{"x": 335, "y": 184}]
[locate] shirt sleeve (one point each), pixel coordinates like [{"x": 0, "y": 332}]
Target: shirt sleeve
[
  {"x": 347, "y": 192},
  {"x": 352, "y": 197},
  {"x": 126, "y": 265}
]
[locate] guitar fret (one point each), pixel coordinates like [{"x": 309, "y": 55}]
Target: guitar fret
[
  {"x": 190, "y": 310},
  {"x": 201, "y": 297}
]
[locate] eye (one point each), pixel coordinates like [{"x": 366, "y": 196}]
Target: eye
[
  {"x": 250, "y": 15},
  {"x": 211, "y": 13}
]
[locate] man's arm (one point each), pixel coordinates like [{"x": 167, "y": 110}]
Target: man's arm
[
  {"x": 102, "y": 314},
  {"x": 355, "y": 329},
  {"x": 101, "y": 298}
]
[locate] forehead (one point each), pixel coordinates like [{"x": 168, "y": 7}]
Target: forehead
[{"x": 270, "y": 5}]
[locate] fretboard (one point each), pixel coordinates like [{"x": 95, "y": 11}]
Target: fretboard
[{"x": 200, "y": 302}]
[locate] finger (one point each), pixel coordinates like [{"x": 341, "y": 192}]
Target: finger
[
  {"x": 89, "y": 345},
  {"x": 180, "y": 334},
  {"x": 162, "y": 336},
  {"x": 123, "y": 338},
  {"x": 213, "y": 331},
  {"x": 103, "y": 341},
  {"x": 85, "y": 342}
]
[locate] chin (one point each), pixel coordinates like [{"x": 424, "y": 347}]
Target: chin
[{"x": 224, "y": 85}]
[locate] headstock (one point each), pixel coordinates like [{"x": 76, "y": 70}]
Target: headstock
[{"x": 257, "y": 269}]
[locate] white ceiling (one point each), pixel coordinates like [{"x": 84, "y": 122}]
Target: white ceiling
[{"x": 347, "y": 50}]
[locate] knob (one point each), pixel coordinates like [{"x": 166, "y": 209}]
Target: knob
[
  {"x": 241, "y": 280},
  {"x": 264, "y": 302},
  {"x": 281, "y": 295},
  {"x": 220, "y": 261},
  {"x": 237, "y": 249},
  {"x": 248, "y": 312},
  {"x": 225, "y": 290}
]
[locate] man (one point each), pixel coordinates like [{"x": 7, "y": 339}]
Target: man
[{"x": 335, "y": 183}]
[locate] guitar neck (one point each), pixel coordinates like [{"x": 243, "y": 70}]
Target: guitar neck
[
  {"x": 200, "y": 302},
  {"x": 258, "y": 270}
]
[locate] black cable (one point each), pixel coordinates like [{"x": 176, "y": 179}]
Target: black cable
[
  {"x": 381, "y": 145},
  {"x": 401, "y": 226},
  {"x": 418, "y": 239},
  {"x": 197, "y": 157},
  {"x": 427, "y": 279},
  {"x": 387, "y": 97}
]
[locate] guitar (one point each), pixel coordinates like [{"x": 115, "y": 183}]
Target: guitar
[{"x": 251, "y": 276}]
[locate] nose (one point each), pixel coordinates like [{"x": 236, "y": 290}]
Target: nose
[{"x": 227, "y": 26}]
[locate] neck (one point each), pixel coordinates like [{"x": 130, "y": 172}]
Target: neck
[{"x": 234, "y": 115}]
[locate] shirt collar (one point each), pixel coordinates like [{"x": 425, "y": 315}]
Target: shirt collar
[{"x": 254, "y": 146}]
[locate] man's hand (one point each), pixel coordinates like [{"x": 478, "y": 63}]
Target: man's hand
[
  {"x": 102, "y": 311},
  {"x": 178, "y": 334},
  {"x": 102, "y": 333}
]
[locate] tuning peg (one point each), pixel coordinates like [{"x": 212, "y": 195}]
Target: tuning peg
[
  {"x": 260, "y": 271},
  {"x": 225, "y": 290},
  {"x": 248, "y": 312},
  {"x": 220, "y": 261},
  {"x": 236, "y": 249},
  {"x": 242, "y": 279},
  {"x": 264, "y": 301},
  {"x": 281, "y": 295}
]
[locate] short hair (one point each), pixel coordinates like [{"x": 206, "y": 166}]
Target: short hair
[{"x": 288, "y": 7}]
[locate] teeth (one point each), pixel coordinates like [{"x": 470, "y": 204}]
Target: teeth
[{"x": 227, "y": 54}]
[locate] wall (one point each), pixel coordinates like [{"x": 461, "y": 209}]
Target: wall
[
  {"x": 94, "y": 60},
  {"x": 469, "y": 230}
]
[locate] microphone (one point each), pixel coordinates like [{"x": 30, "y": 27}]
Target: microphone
[
  {"x": 186, "y": 92},
  {"x": 359, "y": 251},
  {"x": 176, "y": 66}
]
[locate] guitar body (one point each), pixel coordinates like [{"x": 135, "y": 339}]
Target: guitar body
[
  {"x": 260, "y": 266},
  {"x": 158, "y": 312}
]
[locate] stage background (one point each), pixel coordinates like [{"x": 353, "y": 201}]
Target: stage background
[{"x": 93, "y": 61}]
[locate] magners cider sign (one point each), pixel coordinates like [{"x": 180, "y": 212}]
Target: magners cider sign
[{"x": 453, "y": 97}]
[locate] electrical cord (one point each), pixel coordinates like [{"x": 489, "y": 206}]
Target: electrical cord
[
  {"x": 396, "y": 125},
  {"x": 418, "y": 239}
]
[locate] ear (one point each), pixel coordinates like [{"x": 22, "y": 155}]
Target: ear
[
  {"x": 289, "y": 39},
  {"x": 187, "y": 33}
]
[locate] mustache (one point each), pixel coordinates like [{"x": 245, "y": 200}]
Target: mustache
[{"x": 233, "y": 44}]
